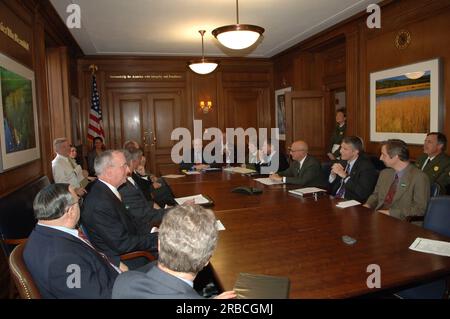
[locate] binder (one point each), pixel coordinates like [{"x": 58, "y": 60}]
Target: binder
[{"x": 255, "y": 286}]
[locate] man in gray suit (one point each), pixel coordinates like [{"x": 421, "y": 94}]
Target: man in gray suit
[
  {"x": 187, "y": 239},
  {"x": 402, "y": 189},
  {"x": 304, "y": 171}
]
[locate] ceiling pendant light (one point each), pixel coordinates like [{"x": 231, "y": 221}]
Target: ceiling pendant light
[
  {"x": 238, "y": 36},
  {"x": 202, "y": 66}
]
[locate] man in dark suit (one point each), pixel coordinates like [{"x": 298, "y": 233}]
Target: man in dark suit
[
  {"x": 105, "y": 217},
  {"x": 402, "y": 189},
  {"x": 197, "y": 160},
  {"x": 268, "y": 154},
  {"x": 304, "y": 171},
  {"x": 143, "y": 214},
  {"x": 355, "y": 177},
  {"x": 62, "y": 263},
  {"x": 338, "y": 135},
  {"x": 434, "y": 162},
  {"x": 187, "y": 239}
]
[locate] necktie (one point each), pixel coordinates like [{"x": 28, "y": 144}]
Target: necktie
[
  {"x": 391, "y": 193},
  {"x": 341, "y": 190},
  {"x": 83, "y": 236},
  {"x": 425, "y": 164}
]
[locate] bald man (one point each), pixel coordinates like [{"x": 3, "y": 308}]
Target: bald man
[{"x": 304, "y": 170}]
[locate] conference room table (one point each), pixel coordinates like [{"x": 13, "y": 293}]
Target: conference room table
[{"x": 278, "y": 233}]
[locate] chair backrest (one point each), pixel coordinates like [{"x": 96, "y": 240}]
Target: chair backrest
[
  {"x": 437, "y": 217},
  {"x": 16, "y": 214},
  {"x": 21, "y": 276},
  {"x": 435, "y": 190}
]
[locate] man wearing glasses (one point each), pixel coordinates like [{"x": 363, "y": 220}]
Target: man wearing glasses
[
  {"x": 108, "y": 224},
  {"x": 304, "y": 170},
  {"x": 62, "y": 263}
]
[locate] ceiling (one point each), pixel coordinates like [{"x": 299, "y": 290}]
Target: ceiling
[{"x": 170, "y": 27}]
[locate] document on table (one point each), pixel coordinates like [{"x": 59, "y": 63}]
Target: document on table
[
  {"x": 173, "y": 176},
  {"x": 429, "y": 246},
  {"x": 198, "y": 199},
  {"x": 239, "y": 170},
  {"x": 219, "y": 225},
  {"x": 267, "y": 181},
  {"x": 192, "y": 173},
  {"x": 348, "y": 203},
  {"x": 306, "y": 190}
]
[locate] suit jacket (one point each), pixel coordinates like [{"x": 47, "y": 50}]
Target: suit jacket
[
  {"x": 411, "y": 197},
  {"x": 155, "y": 284},
  {"x": 92, "y": 154},
  {"x": 283, "y": 163},
  {"x": 363, "y": 178},
  {"x": 110, "y": 226},
  {"x": 48, "y": 254},
  {"x": 437, "y": 170},
  {"x": 141, "y": 211},
  {"x": 310, "y": 175},
  {"x": 63, "y": 172}
]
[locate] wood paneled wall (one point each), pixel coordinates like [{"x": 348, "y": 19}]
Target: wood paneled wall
[
  {"x": 36, "y": 22},
  {"x": 240, "y": 91},
  {"x": 347, "y": 53}
]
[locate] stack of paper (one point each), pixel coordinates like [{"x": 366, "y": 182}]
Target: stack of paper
[
  {"x": 239, "y": 170},
  {"x": 437, "y": 247},
  {"x": 192, "y": 172},
  {"x": 256, "y": 286},
  {"x": 173, "y": 176},
  {"x": 306, "y": 190},
  {"x": 219, "y": 225},
  {"x": 198, "y": 199},
  {"x": 267, "y": 181},
  {"x": 348, "y": 203}
]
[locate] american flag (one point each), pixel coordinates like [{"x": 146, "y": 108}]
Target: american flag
[{"x": 95, "y": 127}]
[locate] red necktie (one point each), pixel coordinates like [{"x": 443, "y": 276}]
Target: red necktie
[
  {"x": 83, "y": 236},
  {"x": 391, "y": 193}
]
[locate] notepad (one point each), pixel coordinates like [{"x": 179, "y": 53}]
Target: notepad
[
  {"x": 192, "y": 172},
  {"x": 198, "y": 199},
  {"x": 239, "y": 170},
  {"x": 348, "y": 203},
  {"x": 267, "y": 181},
  {"x": 219, "y": 225},
  {"x": 173, "y": 176},
  {"x": 306, "y": 190},
  {"x": 429, "y": 246},
  {"x": 253, "y": 286}
]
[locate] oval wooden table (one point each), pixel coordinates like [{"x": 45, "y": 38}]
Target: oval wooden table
[{"x": 277, "y": 233}]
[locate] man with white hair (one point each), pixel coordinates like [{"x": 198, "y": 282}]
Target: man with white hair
[
  {"x": 188, "y": 237},
  {"x": 108, "y": 223},
  {"x": 64, "y": 170}
]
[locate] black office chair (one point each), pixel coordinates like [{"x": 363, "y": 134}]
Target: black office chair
[
  {"x": 437, "y": 219},
  {"x": 17, "y": 216}
]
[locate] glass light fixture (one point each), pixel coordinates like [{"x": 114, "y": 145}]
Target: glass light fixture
[
  {"x": 238, "y": 36},
  {"x": 202, "y": 66}
]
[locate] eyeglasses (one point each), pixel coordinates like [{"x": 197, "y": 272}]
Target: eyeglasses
[{"x": 124, "y": 165}]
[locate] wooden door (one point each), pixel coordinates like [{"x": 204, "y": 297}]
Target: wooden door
[
  {"x": 148, "y": 118},
  {"x": 306, "y": 116}
]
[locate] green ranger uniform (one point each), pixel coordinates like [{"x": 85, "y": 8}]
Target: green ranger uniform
[{"x": 438, "y": 170}]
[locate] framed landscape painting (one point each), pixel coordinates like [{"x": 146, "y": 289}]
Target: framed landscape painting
[
  {"x": 19, "y": 139},
  {"x": 405, "y": 102}
]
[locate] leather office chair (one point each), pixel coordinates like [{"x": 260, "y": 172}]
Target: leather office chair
[
  {"x": 21, "y": 276},
  {"x": 435, "y": 190},
  {"x": 437, "y": 219}
]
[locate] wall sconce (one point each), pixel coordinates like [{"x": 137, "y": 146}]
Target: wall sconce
[{"x": 205, "y": 106}]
